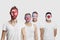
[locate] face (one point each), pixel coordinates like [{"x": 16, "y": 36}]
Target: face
[
  {"x": 14, "y": 13},
  {"x": 28, "y": 18},
  {"x": 48, "y": 16},
  {"x": 34, "y": 16}
]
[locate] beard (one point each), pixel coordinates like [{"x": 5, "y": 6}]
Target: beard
[
  {"x": 34, "y": 20},
  {"x": 13, "y": 17}
]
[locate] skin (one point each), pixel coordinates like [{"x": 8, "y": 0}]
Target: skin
[
  {"x": 13, "y": 21},
  {"x": 28, "y": 23},
  {"x": 35, "y": 19},
  {"x": 42, "y": 33},
  {"x": 48, "y": 20}
]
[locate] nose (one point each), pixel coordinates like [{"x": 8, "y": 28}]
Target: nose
[
  {"x": 48, "y": 16},
  {"x": 27, "y": 18},
  {"x": 14, "y": 13}
]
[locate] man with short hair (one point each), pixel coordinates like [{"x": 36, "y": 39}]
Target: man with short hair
[
  {"x": 49, "y": 28},
  {"x": 12, "y": 28}
]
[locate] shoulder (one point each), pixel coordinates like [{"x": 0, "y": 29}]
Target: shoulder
[
  {"x": 23, "y": 28},
  {"x": 6, "y": 24},
  {"x": 20, "y": 24},
  {"x": 34, "y": 26},
  {"x": 1, "y": 27},
  {"x": 55, "y": 25}
]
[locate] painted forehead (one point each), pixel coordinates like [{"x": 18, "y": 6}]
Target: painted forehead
[
  {"x": 14, "y": 10},
  {"x": 27, "y": 15}
]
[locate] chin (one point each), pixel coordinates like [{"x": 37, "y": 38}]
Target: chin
[
  {"x": 13, "y": 18},
  {"x": 28, "y": 21},
  {"x": 48, "y": 19}
]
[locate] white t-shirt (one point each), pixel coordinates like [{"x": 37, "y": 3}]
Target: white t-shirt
[
  {"x": 39, "y": 25},
  {"x": 13, "y": 32},
  {"x": 0, "y": 32},
  {"x": 49, "y": 31},
  {"x": 29, "y": 32}
]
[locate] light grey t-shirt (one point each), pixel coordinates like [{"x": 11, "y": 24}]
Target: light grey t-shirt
[
  {"x": 49, "y": 30},
  {"x": 13, "y": 32}
]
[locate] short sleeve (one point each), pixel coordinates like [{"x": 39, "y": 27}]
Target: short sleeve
[
  {"x": 42, "y": 25},
  {"x": 55, "y": 26},
  {"x": 4, "y": 27}
]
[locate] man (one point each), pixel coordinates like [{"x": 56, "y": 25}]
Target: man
[
  {"x": 49, "y": 28},
  {"x": 29, "y": 32},
  {"x": 37, "y": 23},
  {"x": 12, "y": 28}
]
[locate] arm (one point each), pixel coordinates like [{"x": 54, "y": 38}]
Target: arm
[
  {"x": 23, "y": 34},
  {"x": 3, "y": 35},
  {"x": 55, "y": 32},
  {"x": 35, "y": 33},
  {"x": 41, "y": 33}
]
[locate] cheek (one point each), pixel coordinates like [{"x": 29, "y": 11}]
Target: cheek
[
  {"x": 15, "y": 14},
  {"x": 27, "y": 18}
]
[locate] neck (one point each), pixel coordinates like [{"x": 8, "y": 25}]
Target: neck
[
  {"x": 13, "y": 21},
  {"x": 49, "y": 21},
  {"x": 28, "y": 23}
]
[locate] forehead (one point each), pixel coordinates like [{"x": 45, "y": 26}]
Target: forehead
[
  {"x": 34, "y": 14},
  {"x": 28, "y": 15},
  {"x": 14, "y": 10}
]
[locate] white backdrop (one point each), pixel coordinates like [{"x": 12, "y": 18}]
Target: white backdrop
[{"x": 25, "y": 6}]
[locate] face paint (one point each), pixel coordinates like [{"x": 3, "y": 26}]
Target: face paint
[
  {"x": 48, "y": 16},
  {"x": 28, "y": 18},
  {"x": 14, "y": 13},
  {"x": 34, "y": 15}
]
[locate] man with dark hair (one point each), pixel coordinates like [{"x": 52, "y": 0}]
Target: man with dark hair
[
  {"x": 29, "y": 32},
  {"x": 37, "y": 22},
  {"x": 12, "y": 28},
  {"x": 49, "y": 28},
  {"x": 34, "y": 16}
]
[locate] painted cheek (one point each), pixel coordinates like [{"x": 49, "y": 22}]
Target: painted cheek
[
  {"x": 27, "y": 18},
  {"x": 15, "y": 12}
]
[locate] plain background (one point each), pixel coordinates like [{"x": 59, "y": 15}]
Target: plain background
[{"x": 28, "y": 6}]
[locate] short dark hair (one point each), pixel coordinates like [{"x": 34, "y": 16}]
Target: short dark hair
[
  {"x": 27, "y": 14},
  {"x": 34, "y": 13},
  {"x": 14, "y": 7},
  {"x": 48, "y": 13}
]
